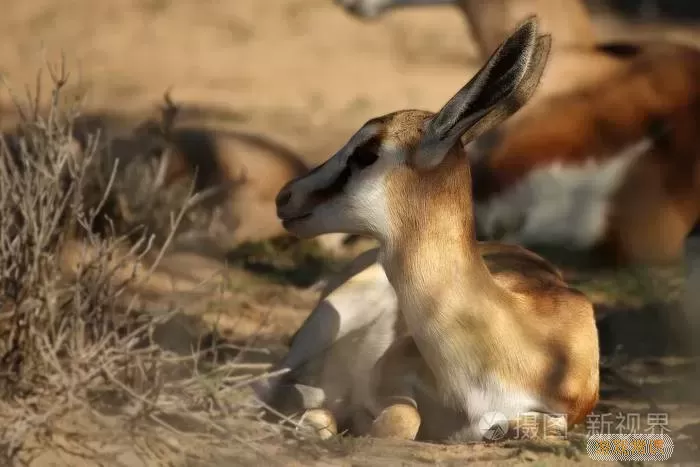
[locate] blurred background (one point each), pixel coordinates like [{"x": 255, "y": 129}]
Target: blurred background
[{"x": 302, "y": 70}]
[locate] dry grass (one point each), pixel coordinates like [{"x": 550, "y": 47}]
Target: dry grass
[{"x": 78, "y": 357}]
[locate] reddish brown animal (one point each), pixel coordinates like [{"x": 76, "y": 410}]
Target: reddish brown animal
[{"x": 611, "y": 169}]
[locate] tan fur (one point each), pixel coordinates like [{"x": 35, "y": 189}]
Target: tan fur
[
  {"x": 592, "y": 101},
  {"x": 550, "y": 325},
  {"x": 506, "y": 263},
  {"x": 486, "y": 328},
  {"x": 321, "y": 421},
  {"x": 545, "y": 318}
]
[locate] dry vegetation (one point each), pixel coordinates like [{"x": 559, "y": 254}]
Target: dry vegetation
[
  {"x": 83, "y": 376},
  {"x": 120, "y": 347}
]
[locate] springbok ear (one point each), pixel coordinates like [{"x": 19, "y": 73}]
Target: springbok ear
[{"x": 498, "y": 90}]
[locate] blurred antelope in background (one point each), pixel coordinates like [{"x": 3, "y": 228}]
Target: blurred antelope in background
[
  {"x": 481, "y": 327},
  {"x": 611, "y": 169},
  {"x": 605, "y": 159},
  {"x": 239, "y": 172}
]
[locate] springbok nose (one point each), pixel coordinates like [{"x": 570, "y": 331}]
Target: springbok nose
[{"x": 283, "y": 197}]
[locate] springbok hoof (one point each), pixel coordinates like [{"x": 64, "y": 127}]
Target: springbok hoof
[
  {"x": 321, "y": 421},
  {"x": 400, "y": 421}
]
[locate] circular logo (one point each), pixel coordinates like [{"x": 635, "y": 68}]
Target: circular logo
[{"x": 493, "y": 426}]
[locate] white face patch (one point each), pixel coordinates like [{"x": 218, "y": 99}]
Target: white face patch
[
  {"x": 346, "y": 194},
  {"x": 367, "y": 197},
  {"x": 366, "y": 204},
  {"x": 558, "y": 204}
]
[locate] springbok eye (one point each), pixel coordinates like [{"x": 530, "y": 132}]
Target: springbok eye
[{"x": 363, "y": 157}]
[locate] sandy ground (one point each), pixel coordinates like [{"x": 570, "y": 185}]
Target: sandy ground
[{"x": 302, "y": 73}]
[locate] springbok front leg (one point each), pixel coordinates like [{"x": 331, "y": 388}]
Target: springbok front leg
[
  {"x": 321, "y": 421},
  {"x": 351, "y": 301},
  {"x": 332, "y": 354},
  {"x": 394, "y": 378}
]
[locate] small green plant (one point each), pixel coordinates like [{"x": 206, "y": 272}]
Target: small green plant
[{"x": 285, "y": 260}]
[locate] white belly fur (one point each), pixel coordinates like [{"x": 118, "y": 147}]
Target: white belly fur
[{"x": 459, "y": 419}]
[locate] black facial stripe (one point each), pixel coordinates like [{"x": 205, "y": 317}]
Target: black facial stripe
[
  {"x": 335, "y": 187},
  {"x": 366, "y": 154},
  {"x": 340, "y": 159},
  {"x": 366, "y": 144}
]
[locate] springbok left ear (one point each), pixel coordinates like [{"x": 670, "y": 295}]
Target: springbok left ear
[{"x": 498, "y": 90}]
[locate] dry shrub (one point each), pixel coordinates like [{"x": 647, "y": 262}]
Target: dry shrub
[
  {"x": 72, "y": 346},
  {"x": 151, "y": 182}
]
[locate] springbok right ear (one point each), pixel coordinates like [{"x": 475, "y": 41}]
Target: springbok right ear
[{"x": 498, "y": 90}]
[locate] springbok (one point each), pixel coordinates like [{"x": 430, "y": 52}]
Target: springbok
[
  {"x": 604, "y": 162},
  {"x": 488, "y": 327}
]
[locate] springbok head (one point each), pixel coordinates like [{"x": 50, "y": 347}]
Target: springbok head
[{"x": 385, "y": 171}]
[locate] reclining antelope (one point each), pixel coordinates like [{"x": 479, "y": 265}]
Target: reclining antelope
[
  {"x": 605, "y": 162},
  {"x": 482, "y": 327}
]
